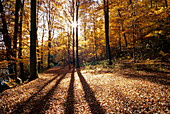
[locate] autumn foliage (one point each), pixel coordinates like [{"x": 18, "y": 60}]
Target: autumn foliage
[{"x": 138, "y": 31}]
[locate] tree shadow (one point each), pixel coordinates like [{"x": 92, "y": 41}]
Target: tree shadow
[
  {"x": 90, "y": 96},
  {"x": 38, "y": 104},
  {"x": 69, "y": 105},
  {"x": 154, "y": 71},
  {"x": 159, "y": 79},
  {"x": 58, "y": 74},
  {"x": 53, "y": 70},
  {"x": 145, "y": 67}
]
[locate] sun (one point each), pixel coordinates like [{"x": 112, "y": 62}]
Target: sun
[{"x": 74, "y": 24}]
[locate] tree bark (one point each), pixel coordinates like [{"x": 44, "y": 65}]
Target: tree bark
[
  {"x": 151, "y": 3},
  {"x": 125, "y": 39},
  {"x": 49, "y": 38},
  {"x": 106, "y": 13},
  {"x": 133, "y": 41},
  {"x": 73, "y": 37},
  {"x": 33, "y": 39},
  {"x": 5, "y": 33},
  {"x": 42, "y": 45},
  {"x": 6, "y": 39},
  {"x": 17, "y": 7},
  {"x": 69, "y": 50},
  {"x": 20, "y": 45},
  {"x": 77, "y": 57},
  {"x": 120, "y": 47},
  {"x": 166, "y": 3},
  {"x": 124, "y": 35}
]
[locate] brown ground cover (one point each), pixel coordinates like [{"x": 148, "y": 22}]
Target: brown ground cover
[{"x": 59, "y": 90}]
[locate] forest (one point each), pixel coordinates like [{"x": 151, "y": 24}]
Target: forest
[{"x": 42, "y": 38}]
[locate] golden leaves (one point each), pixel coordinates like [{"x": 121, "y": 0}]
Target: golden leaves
[{"x": 113, "y": 90}]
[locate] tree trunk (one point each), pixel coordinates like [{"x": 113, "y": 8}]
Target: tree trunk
[
  {"x": 95, "y": 39},
  {"x": 17, "y": 6},
  {"x": 33, "y": 39},
  {"x": 124, "y": 35},
  {"x": 69, "y": 50},
  {"x": 125, "y": 39},
  {"x": 166, "y": 3},
  {"x": 120, "y": 47},
  {"x": 73, "y": 37},
  {"x": 106, "y": 13},
  {"x": 133, "y": 31},
  {"x": 38, "y": 49},
  {"x": 49, "y": 38},
  {"x": 77, "y": 57},
  {"x": 151, "y": 3},
  {"x": 133, "y": 41},
  {"x": 42, "y": 45},
  {"x": 6, "y": 37},
  {"x": 22, "y": 76}
]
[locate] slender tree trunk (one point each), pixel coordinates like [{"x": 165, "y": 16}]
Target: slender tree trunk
[
  {"x": 33, "y": 39},
  {"x": 49, "y": 38},
  {"x": 22, "y": 76},
  {"x": 77, "y": 57},
  {"x": 6, "y": 38},
  {"x": 5, "y": 33},
  {"x": 38, "y": 49},
  {"x": 166, "y": 3},
  {"x": 133, "y": 31},
  {"x": 120, "y": 49},
  {"x": 151, "y": 3},
  {"x": 85, "y": 24},
  {"x": 17, "y": 7},
  {"x": 69, "y": 50},
  {"x": 124, "y": 35},
  {"x": 156, "y": 4},
  {"x": 42, "y": 45},
  {"x": 125, "y": 39},
  {"x": 133, "y": 41},
  {"x": 106, "y": 12},
  {"x": 95, "y": 39},
  {"x": 73, "y": 37}
]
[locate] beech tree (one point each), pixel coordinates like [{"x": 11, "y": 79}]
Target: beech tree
[
  {"x": 106, "y": 14},
  {"x": 22, "y": 76},
  {"x": 130, "y": 28},
  {"x": 73, "y": 9},
  {"x": 77, "y": 16},
  {"x": 33, "y": 39},
  {"x": 17, "y": 7}
]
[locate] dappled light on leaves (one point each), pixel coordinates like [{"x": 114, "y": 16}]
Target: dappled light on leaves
[
  {"x": 120, "y": 49},
  {"x": 109, "y": 92}
]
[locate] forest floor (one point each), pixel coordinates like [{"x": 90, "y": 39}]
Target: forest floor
[{"x": 118, "y": 90}]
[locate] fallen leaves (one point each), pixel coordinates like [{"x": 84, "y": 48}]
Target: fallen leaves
[{"x": 113, "y": 92}]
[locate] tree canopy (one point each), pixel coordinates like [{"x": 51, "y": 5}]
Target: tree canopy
[{"x": 126, "y": 29}]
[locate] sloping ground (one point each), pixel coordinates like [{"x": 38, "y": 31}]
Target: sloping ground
[{"x": 59, "y": 90}]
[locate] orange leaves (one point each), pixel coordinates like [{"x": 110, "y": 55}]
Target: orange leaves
[{"x": 123, "y": 91}]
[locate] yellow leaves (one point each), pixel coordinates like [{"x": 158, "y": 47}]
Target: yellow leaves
[
  {"x": 128, "y": 57},
  {"x": 114, "y": 92},
  {"x": 163, "y": 54},
  {"x": 57, "y": 5}
]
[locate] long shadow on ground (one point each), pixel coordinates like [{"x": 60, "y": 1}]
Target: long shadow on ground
[
  {"x": 90, "y": 96},
  {"x": 162, "y": 79},
  {"x": 69, "y": 105},
  {"x": 21, "y": 105},
  {"x": 37, "y": 107},
  {"x": 53, "y": 70}
]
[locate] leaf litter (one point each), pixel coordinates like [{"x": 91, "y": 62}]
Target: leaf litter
[{"x": 59, "y": 90}]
